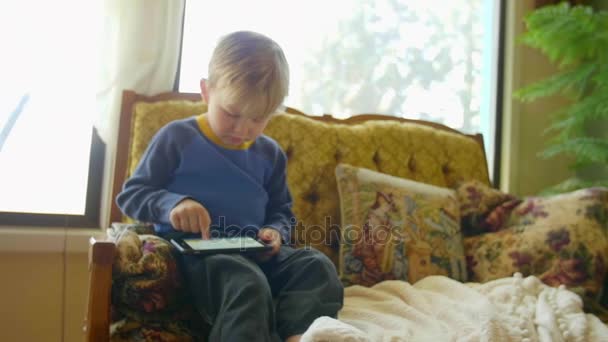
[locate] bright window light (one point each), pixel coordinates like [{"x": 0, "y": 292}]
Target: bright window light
[
  {"x": 432, "y": 60},
  {"x": 46, "y": 107}
]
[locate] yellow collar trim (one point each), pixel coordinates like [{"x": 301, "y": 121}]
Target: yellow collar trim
[{"x": 203, "y": 124}]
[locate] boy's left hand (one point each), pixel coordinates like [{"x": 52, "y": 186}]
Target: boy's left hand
[{"x": 271, "y": 237}]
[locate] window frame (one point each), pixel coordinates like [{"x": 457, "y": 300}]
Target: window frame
[
  {"x": 90, "y": 218},
  {"x": 500, "y": 68}
]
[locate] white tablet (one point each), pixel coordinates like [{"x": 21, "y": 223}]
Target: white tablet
[{"x": 237, "y": 244}]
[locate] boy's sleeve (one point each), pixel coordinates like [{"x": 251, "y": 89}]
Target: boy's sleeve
[
  {"x": 144, "y": 196},
  {"x": 278, "y": 211}
]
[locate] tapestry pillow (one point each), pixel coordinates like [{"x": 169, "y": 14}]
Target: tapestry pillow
[{"x": 393, "y": 228}]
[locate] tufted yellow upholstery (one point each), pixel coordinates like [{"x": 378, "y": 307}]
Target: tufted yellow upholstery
[{"x": 314, "y": 148}]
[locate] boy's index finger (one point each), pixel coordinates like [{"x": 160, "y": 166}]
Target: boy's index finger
[
  {"x": 205, "y": 234},
  {"x": 203, "y": 226},
  {"x": 204, "y": 230}
]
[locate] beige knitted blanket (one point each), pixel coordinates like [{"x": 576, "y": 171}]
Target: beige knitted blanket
[{"x": 440, "y": 309}]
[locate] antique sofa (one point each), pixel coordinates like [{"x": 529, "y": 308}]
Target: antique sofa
[{"x": 423, "y": 152}]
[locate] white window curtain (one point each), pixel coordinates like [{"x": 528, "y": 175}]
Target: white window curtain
[{"x": 139, "y": 50}]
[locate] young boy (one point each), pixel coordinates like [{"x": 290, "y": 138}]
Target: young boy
[{"x": 217, "y": 172}]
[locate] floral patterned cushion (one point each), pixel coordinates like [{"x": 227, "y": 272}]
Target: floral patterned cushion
[
  {"x": 562, "y": 239},
  {"x": 574, "y": 255},
  {"x": 482, "y": 208},
  {"x": 149, "y": 299},
  {"x": 586, "y": 207},
  {"x": 130, "y": 330},
  {"x": 393, "y": 228}
]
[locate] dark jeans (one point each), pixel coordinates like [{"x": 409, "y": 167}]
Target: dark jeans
[{"x": 246, "y": 300}]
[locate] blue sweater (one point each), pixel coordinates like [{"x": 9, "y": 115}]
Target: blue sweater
[{"x": 243, "y": 189}]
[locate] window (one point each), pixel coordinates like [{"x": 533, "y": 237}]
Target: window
[
  {"x": 432, "y": 60},
  {"x": 51, "y": 160}
]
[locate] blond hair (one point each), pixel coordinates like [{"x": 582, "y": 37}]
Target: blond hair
[{"x": 249, "y": 71}]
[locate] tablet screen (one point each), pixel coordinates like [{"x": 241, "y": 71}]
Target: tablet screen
[{"x": 223, "y": 243}]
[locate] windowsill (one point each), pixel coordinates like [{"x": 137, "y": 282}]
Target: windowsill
[{"x": 46, "y": 240}]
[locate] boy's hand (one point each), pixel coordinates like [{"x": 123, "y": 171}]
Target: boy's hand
[
  {"x": 271, "y": 237},
  {"x": 190, "y": 216}
]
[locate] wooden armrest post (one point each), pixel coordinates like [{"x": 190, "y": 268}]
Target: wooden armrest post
[{"x": 101, "y": 257}]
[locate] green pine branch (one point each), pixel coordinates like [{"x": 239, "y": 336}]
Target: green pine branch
[
  {"x": 586, "y": 150},
  {"x": 574, "y": 80},
  {"x": 575, "y": 38},
  {"x": 574, "y": 121},
  {"x": 564, "y": 33},
  {"x": 587, "y": 110}
]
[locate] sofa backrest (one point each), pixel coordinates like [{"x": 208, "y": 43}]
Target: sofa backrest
[{"x": 421, "y": 151}]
